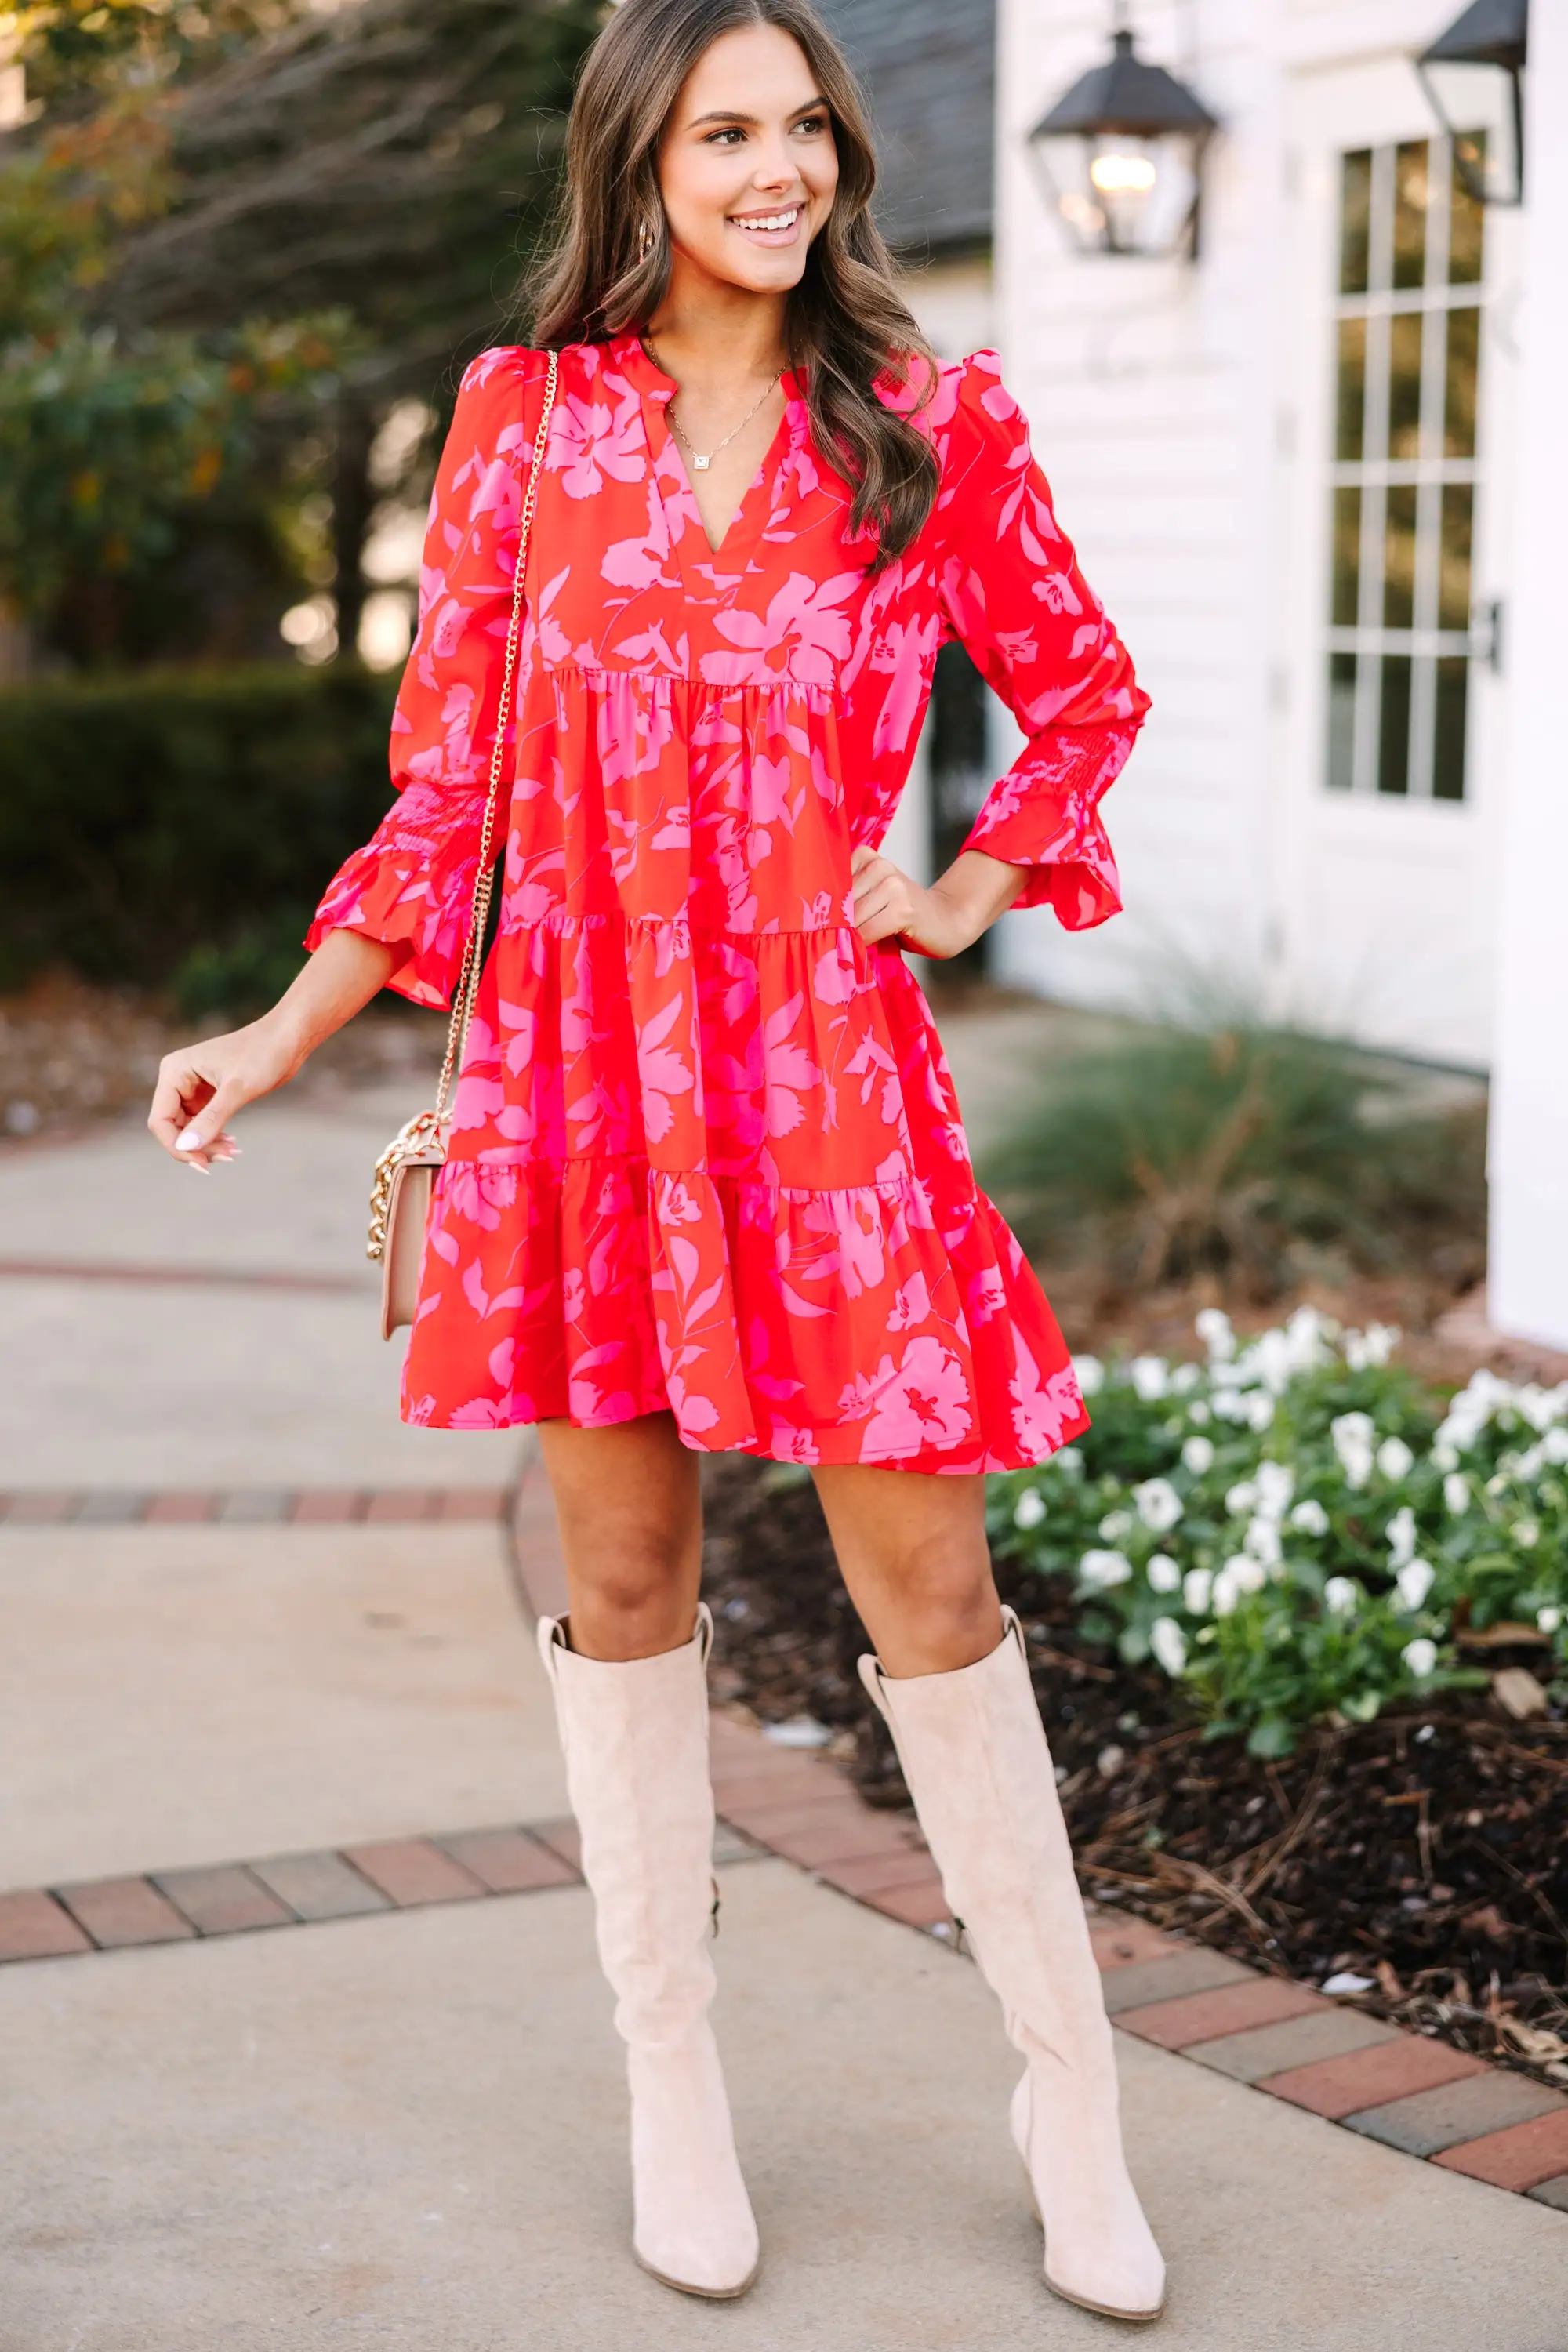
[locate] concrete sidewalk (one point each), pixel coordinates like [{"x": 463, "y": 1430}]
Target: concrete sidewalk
[{"x": 408, "y": 2126}]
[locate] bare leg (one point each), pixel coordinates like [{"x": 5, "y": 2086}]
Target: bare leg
[
  {"x": 630, "y": 1513},
  {"x": 912, "y": 1550}
]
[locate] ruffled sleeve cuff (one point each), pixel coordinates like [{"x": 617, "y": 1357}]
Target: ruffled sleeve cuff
[
  {"x": 412, "y": 887},
  {"x": 1043, "y": 815}
]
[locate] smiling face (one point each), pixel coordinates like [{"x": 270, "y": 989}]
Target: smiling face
[{"x": 747, "y": 167}]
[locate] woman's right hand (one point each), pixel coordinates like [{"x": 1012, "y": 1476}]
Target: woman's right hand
[{"x": 201, "y": 1087}]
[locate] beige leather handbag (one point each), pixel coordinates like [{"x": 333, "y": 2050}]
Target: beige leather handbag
[{"x": 405, "y": 1172}]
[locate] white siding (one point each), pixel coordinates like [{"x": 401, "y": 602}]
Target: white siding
[{"x": 1182, "y": 414}]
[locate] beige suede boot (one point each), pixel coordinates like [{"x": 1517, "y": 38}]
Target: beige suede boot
[
  {"x": 635, "y": 1738},
  {"x": 973, "y": 1751}
]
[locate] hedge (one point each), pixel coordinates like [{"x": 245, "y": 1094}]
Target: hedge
[{"x": 162, "y": 822}]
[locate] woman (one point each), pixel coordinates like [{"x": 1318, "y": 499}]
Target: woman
[{"x": 707, "y": 1187}]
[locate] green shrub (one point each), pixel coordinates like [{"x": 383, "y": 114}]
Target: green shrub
[
  {"x": 1241, "y": 1151},
  {"x": 1299, "y": 1528},
  {"x": 152, "y": 821}
]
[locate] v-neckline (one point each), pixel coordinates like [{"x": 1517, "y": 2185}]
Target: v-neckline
[{"x": 726, "y": 564}]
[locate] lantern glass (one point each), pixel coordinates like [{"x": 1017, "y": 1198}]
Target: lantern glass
[
  {"x": 1117, "y": 192},
  {"x": 1479, "y": 106}
]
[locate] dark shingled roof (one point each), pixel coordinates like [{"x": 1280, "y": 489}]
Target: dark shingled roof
[{"x": 930, "y": 68}]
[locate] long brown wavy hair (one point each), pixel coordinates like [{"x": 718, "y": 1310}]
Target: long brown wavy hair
[{"x": 845, "y": 325}]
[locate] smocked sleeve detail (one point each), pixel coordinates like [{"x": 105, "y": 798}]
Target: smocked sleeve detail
[
  {"x": 411, "y": 884},
  {"x": 1012, "y": 592}
]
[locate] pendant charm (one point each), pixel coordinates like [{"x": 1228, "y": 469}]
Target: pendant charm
[{"x": 702, "y": 464}]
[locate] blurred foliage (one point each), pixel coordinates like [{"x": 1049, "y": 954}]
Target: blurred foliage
[
  {"x": 1254, "y": 1154},
  {"x": 120, "y": 445},
  {"x": 395, "y": 160},
  {"x": 77, "y": 50},
  {"x": 205, "y": 809}
]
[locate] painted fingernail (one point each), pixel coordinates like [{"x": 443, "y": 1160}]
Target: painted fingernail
[{"x": 189, "y": 1140}]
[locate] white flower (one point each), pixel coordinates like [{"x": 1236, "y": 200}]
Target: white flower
[
  {"x": 1185, "y": 1377},
  {"x": 1229, "y": 1406},
  {"x": 1275, "y": 1484},
  {"x": 1554, "y": 1445},
  {"x": 1116, "y": 1526},
  {"x": 1549, "y": 1619},
  {"x": 1100, "y": 1570},
  {"x": 1196, "y": 1586},
  {"x": 1163, "y": 1573},
  {"x": 1151, "y": 1377},
  {"x": 1420, "y": 1657},
  {"x": 1394, "y": 1458},
  {"x": 1158, "y": 1504},
  {"x": 1415, "y": 1580},
  {"x": 1311, "y": 1517},
  {"x": 1259, "y": 1411},
  {"x": 1261, "y": 1541},
  {"x": 1353, "y": 1435},
  {"x": 1169, "y": 1645},
  {"x": 1445, "y": 1456},
  {"x": 1341, "y": 1595},
  {"x": 1457, "y": 1492},
  {"x": 1198, "y": 1413},
  {"x": 1212, "y": 1327},
  {"x": 1239, "y": 1575},
  {"x": 1526, "y": 1533},
  {"x": 1029, "y": 1510},
  {"x": 1198, "y": 1455},
  {"x": 1068, "y": 1461},
  {"x": 1373, "y": 1346},
  {"x": 1091, "y": 1374},
  {"x": 1400, "y": 1533},
  {"x": 1241, "y": 1499}
]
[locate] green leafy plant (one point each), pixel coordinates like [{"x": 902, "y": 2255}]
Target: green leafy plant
[
  {"x": 1298, "y": 1527},
  {"x": 1238, "y": 1149}
]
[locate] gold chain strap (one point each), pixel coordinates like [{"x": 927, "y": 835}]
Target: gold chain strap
[
  {"x": 484, "y": 873},
  {"x": 421, "y": 1139}
]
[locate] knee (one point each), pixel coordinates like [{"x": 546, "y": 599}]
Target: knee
[{"x": 946, "y": 1602}]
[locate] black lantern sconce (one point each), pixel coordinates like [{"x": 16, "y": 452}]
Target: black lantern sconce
[
  {"x": 1458, "y": 72},
  {"x": 1119, "y": 157}
]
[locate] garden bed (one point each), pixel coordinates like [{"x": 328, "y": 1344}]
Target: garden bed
[{"x": 1422, "y": 1850}]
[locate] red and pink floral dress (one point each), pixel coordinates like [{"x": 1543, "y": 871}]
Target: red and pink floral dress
[{"x": 706, "y": 1154}]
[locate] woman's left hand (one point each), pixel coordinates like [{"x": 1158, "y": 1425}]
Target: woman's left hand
[{"x": 941, "y": 919}]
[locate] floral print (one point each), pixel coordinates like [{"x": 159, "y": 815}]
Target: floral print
[{"x": 706, "y": 1154}]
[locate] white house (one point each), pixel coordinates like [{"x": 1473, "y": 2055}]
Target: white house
[{"x": 1319, "y": 472}]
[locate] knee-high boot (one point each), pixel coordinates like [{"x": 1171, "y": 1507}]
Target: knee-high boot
[
  {"x": 975, "y": 1755},
  {"x": 634, "y": 1736}
]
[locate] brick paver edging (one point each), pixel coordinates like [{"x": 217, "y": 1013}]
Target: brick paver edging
[
  {"x": 1402, "y": 2088},
  {"x": 293, "y": 1890},
  {"x": 121, "y": 1507}
]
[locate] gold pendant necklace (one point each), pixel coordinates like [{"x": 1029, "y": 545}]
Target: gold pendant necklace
[{"x": 702, "y": 459}]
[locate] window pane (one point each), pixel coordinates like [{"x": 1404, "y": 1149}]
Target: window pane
[
  {"x": 1394, "y": 725},
  {"x": 1348, "y": 440},
  {"x": 1410, "y": 201},
  {"x": 1347, "y": 557},
  {"x": 1341, "y": 721},
  {"x": 1454, "y": 576},
  {"x": 1459, "y": 394},
  {"x": 1399, "y": 558},
  {"x": 1467, "y": 220},
  {"x": 1448, "y": 755},
  {"x": 1404, "y": 384},
  {"x": 1355, "y": 221}
]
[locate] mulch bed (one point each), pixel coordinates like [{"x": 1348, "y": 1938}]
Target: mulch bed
[
  {"x": 73, "y": 1056},
  {"x": 1427, "y": 1851}
]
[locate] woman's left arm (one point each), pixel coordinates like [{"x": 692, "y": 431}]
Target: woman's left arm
[{"x": 1012, "y": 594}]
